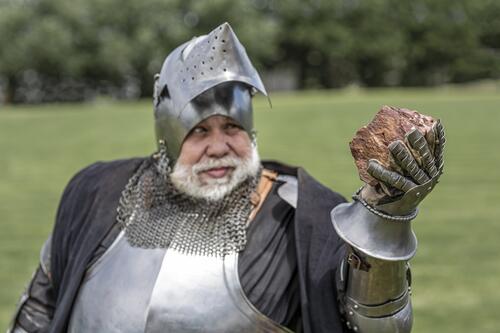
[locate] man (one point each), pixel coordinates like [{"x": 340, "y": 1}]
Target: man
[{"x": 203, "y": 237}]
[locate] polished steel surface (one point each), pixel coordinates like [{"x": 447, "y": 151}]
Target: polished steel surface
[
  {"x": 203, "y": 63},
  {"x": 134, "y": 290},
  {"x": 381, "y": 310},
  {"x": 203, "y": 294},
  {"x": 374, "y": 288},
  {"x": 373, "y": 235},
  {"x": 114, "y": 296},
  {"x": 400, "y": 322},
  {"x": 383, "y": 282},
  {"x": 191, "y": 70}
]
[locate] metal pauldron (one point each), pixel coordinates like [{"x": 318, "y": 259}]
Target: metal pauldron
[{"x": 374, "y": 280}]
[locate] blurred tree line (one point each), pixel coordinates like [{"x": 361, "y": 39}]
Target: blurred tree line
[{"x": 73, "y": 50}]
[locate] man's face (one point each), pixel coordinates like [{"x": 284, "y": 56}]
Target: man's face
[{"x": 215, "y": 157}]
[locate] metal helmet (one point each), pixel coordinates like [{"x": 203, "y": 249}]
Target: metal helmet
[{"x": 209, "y": 75}]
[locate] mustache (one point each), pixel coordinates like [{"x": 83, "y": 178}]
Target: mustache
[{"x": 211, "y": 163}]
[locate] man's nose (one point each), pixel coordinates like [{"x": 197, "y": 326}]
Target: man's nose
[{"x": 218, "y": 146}]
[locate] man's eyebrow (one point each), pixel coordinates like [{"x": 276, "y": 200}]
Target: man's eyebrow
[{"x": 233, "y": 122}]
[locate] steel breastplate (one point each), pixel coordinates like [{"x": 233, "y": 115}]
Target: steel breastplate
[{"x": 132, "y": 290}]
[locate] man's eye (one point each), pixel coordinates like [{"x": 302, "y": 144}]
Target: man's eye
[
  {"x": 199, "y": 130},
  {"x": 232, "y": 126}
]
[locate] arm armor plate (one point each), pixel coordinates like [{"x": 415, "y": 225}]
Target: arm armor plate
[
  {"x": 374, "y": 279},
  {"x": 36, "y": 306}
]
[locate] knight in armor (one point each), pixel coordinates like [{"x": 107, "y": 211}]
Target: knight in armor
[{"x": 203, "y": 236}]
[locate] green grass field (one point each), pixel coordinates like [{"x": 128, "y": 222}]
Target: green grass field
[{"x": 457, "y": 268}]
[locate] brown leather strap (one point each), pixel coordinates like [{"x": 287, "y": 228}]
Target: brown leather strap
[
  {"x": 356, "y": 261},
  {"x": 266, "y": 181}
]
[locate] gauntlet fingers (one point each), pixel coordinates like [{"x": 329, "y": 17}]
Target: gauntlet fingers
[
  {"x": 440, "y": 145},
  {"x": 431, "y": 137},
  {"x": 389, "y": 177},
  {"x": 406, "y": 161},
  {"x": 418, "y": 142}
]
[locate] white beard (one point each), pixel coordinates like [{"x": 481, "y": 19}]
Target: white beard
[{"x": 187, "y": 179}]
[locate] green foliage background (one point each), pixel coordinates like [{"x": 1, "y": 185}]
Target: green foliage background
[
  {"x": 72, "y": 50},
  {"x": 456, "y": 268}
]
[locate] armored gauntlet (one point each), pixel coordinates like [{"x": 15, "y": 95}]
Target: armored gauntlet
[{"x": 374, "y": 280}]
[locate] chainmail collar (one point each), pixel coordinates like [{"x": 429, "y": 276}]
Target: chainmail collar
[{"x": 154, "y": 214}]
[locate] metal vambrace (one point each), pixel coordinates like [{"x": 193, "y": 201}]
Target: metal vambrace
[
  {"x": 36, "y": 305},
  {"x": 374, "y": 279}
]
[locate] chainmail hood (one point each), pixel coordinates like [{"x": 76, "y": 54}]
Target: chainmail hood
[{"x": 154, "y": 214}]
